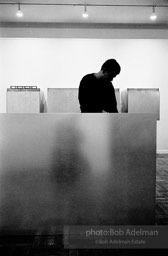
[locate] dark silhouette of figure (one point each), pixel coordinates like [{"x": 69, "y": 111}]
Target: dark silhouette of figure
[{"x": 96, "y": 92}]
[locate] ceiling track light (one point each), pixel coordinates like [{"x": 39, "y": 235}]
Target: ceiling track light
[
  {"x": 85, "y": 14},
  {"x": 19, "y": 12},
  {"x": 153, "y": 15}
]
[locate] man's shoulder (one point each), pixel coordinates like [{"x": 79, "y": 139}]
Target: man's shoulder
[{"x": 88, "y": 76}]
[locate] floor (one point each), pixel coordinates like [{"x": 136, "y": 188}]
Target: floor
[
  {"x": 162, "y": 190},
  {"x": 53, "y": 245}
]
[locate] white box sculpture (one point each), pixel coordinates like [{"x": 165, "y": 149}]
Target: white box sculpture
[
  {"x": 65, "y": 100},
  {"x": 23, "y": 100},
  {"x": 141, "y": 100}
]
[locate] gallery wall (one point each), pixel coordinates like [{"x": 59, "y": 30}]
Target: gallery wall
[{"x": 48, "y": 61}]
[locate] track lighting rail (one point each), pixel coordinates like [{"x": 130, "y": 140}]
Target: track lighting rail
[{"x": 84, "y": 4}]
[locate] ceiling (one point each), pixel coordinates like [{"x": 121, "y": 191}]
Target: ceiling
[{"x": 98, "y": 12}]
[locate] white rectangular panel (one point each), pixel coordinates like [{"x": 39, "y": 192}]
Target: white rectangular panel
[
  {"x": 65, "y": 100},
  {"x": 23, "y": 101},
  {"x": 141, "y": 100}
]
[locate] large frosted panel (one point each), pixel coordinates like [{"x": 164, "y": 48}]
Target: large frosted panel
[
  {"x": 141, "y": 101},
  {"x": 23, "y": 101},
  {"x": 65, "y": 100},
  {"x": 58, "y": 169}
]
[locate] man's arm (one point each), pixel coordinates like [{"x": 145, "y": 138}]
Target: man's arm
[{"x": 110, "y": 104}]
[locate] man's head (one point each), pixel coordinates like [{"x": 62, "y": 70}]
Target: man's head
[{"x": 110, "y": 69}]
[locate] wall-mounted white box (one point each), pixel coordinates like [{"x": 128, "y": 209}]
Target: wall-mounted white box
[
  {"x": 141, "y": 100},
  {"x": 65, "y": 100}
]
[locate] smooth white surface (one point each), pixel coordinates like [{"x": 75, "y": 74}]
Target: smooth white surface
[
  {"x": 140, "y": 100},
  {"x": 144, "y": 101},
  {"x": 23, "y": 101}
]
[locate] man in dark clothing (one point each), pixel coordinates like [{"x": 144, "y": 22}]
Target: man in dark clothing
[{"x": 96, "y": 92}]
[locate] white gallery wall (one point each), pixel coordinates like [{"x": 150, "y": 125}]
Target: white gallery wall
[{"x": 62, "y": 62}]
